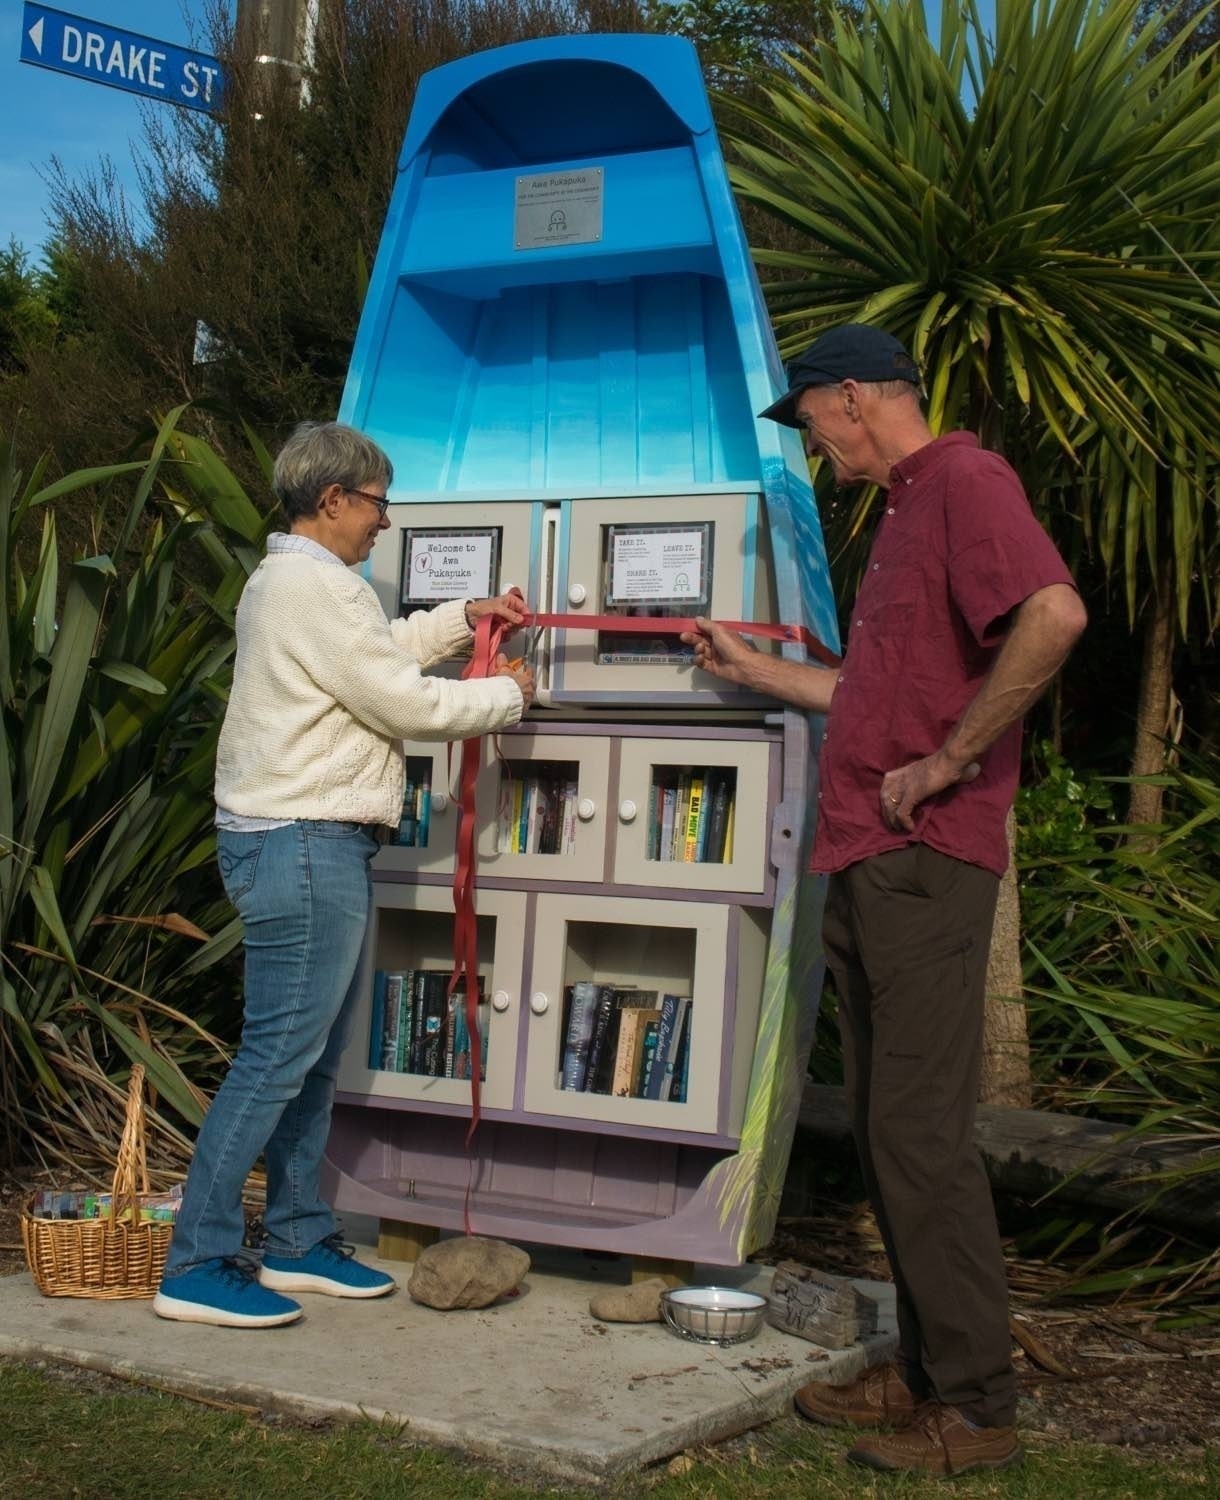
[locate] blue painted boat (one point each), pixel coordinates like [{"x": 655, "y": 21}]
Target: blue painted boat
[{"x": 562, "y": 350}]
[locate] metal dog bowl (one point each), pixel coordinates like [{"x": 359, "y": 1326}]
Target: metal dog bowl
[{"x": 713, "y": 1314}]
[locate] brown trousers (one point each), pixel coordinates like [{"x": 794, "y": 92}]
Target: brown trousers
[{"x": 907, "y": 936}]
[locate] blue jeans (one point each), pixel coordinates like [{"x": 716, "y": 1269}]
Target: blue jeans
[{"x": 304, "y": 895}]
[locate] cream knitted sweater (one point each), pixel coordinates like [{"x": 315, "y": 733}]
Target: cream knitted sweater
[{"x": 325, "y": 689}]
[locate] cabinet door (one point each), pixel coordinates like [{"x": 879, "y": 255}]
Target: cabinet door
[
  {"x": 427, "y": 833},
  {"x": 542, "y": 803},
  {"x": 694, "y": 813},
  {"x": 633, "y": 954},
  {"x": 411, "y": 934},
  {"x": 671, "y": 555}
]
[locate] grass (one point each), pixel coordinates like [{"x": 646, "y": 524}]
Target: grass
[{"x": 88, "y": 1438}]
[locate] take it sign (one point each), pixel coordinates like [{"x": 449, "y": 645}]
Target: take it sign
[{"x": 122, "y": 59}]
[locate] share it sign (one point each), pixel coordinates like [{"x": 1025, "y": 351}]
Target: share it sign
[{"x": 103, "y": 54}]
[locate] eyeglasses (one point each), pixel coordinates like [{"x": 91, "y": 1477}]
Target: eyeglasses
[{"x": 382, "y": 502}]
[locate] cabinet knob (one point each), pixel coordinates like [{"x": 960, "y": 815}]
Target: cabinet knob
[
  {"x": 577, "y": 593},
  {"x": 627, "y": 811},
  {"x": 500, "y": 1000},
  {"x": 440, "y": 802},
  {"x": 586, "y": 809},
  {"x": 540, "y": 1003}
]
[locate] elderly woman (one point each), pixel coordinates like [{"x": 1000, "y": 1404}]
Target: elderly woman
[{"x": 309, "y": 768}]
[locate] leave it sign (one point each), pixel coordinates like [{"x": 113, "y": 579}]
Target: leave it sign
[{"x": 104, "y": 54}]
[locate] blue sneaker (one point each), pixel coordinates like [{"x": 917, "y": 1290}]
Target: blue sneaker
[
  {"x": 225, "y": 1293},
  {"x": 330, "y": 1268}
]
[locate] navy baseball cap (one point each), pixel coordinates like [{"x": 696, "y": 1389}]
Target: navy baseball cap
[{"x": 853, "y": 351}]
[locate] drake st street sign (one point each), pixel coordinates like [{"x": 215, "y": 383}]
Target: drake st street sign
[{"x": 105, "y": 54}]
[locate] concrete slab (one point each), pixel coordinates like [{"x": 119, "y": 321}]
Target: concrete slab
[{"x": 536, "y": 1380}]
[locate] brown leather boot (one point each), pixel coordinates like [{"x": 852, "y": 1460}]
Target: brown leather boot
[
  {"x": 878, "y": 1398},
  {"x": 938, "y": 1440}
]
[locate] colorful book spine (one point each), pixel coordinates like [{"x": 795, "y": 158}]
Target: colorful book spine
[
  {"x": 596, "y": 1081},
  {"x": 674, "y": 1047},
  {"x": 392, "y": 1023},
  {"x": 377, "y": 1019},
  {"x": 664, "y": 1048},
  {"x": 682, "y": 1061},
  {"x": 648, "y": 1058},
  {"x": 579, "y": 1035},
  {"x": 694, "y": 803}
]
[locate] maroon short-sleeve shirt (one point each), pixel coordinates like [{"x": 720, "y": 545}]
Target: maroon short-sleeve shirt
[{"x": 956, "y": 550}]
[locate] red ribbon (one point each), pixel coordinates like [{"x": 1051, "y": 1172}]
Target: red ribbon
[{"x": 659, "y": 625}]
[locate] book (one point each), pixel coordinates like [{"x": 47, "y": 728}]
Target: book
[
  {"x": 377, "y": 1018},
  {"x": 406, "y": 1022},
  {"x": 406, "y": 823},
  {"x": 603, "y": 1016},
  {"x": 681, "y": 806},
  {"x": 665, "y": 1046},
  {"x": 453, "y": 1004},
  {"x": 648, "y": 1057},
  {"x": 423, "y": 809},
  {"x": 669, "y": 802},
  {"x": 391, "y": 1023},
  {"x": 632, "y": 1026},
  {"x": 718, "y": 820},
  {"x": 730, "y": 819},
  {"x": 682, "y": 1062},
  {"x": 579, "y": 1034},
  {"x": 571, "y": 796},
  {"x": 694, "y": 803},
  {"x": 435, "y": 1008},
  {"x": 673, "y": 1047}
]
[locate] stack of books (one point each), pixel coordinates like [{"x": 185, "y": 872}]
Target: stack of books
[
  {"x": 416, "y": 803},
  {"x": 629, "y": 1042},
  {"x": 418, "y": 1027},
  {"x": 691, "y": 814},
  {"x": 537, "y": 812}
]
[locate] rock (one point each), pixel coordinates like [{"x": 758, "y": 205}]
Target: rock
[
  {"x": 468, "y": 1272},
  {"x": 639, "y": 1303}
]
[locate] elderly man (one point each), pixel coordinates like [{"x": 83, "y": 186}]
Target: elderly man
[{"x": 965, "y": 613}]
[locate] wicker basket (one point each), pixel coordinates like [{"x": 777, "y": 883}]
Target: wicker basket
[{"x": 117, "y": 1255}]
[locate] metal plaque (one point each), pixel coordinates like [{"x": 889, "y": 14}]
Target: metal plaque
[{"x": 558, "y": 208}]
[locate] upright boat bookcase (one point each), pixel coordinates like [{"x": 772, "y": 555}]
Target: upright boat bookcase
[{"x": 562, "y": 349}]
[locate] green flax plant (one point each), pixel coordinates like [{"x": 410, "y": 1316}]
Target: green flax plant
[
  {"x": 1121, "y": 926},
  {"x": 1033, "y": 212},
  {"x": 114, "y": 668}
]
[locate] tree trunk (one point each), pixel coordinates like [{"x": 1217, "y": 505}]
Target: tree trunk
[
  {"x": 1005, "y": 1077},
  {"x": 1152, "y": 717}
]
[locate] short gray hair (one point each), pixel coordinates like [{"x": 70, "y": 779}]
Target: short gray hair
[{"x": 319, "y": 454}]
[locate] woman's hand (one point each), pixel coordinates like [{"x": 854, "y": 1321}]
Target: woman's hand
[
  {"x": 521, "y": 674},
  {"x": 509, "y": 606}
]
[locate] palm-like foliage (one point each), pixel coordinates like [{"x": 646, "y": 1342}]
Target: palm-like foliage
[
  {"x": 113, "y": 673},
  {"x": 1035, "y": 217}
]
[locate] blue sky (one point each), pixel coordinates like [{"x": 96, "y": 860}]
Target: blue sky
[{"x": 49, "y": 114}]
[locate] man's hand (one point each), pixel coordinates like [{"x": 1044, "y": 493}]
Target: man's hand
[
  {"x": 509, "y": 606},
  {"x": 904, "y": 789},
  {"x": 720, "y": 651}
]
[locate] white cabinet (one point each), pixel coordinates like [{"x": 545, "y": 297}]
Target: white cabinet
[
  {"x": 543, "y": 806},
  {"x": 411, "y": 931},
  {"x": 677, "y": 555},
  {"x": 698, "y": 951},
  {"x": 695, "y": 813}
]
